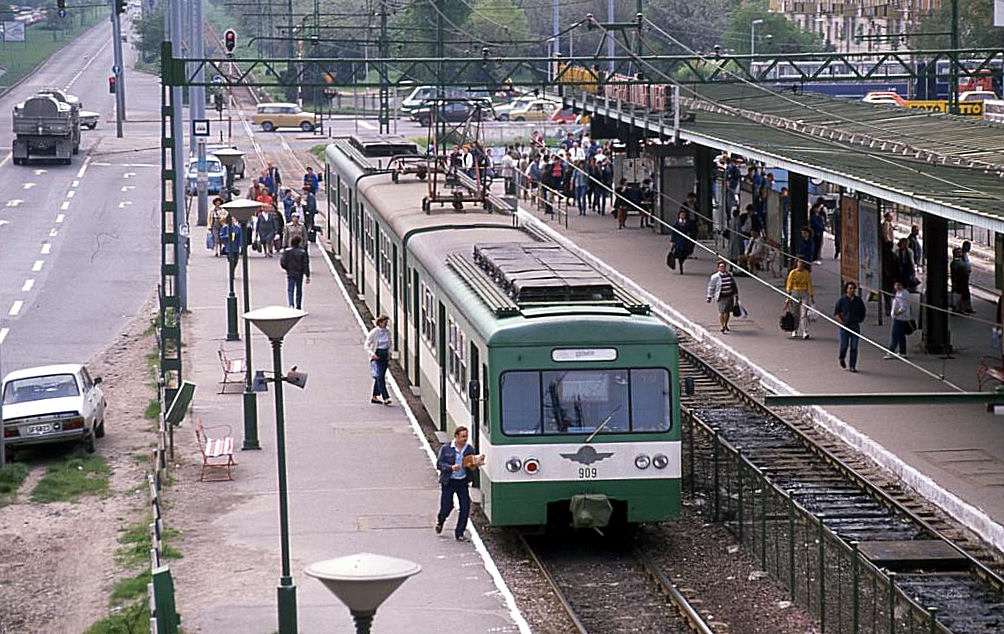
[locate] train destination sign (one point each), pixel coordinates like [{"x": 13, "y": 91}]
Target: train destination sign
[{"x": 584, "y": 354}]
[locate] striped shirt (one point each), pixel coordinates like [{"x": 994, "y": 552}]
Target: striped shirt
[{"x": 728, "y": 285}]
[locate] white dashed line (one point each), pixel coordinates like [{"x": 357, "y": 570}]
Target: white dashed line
[
  {"x": 27, "y": 285},
  {"x": 128, "y": 174},
  {"x": 28, "y": 185},
  {"x": 3, "y": 331},
  {"x": 126, "y": 188},
  {"x": 37, "y": 266},
  {"x": 122, "y": 205},
  {"x": 46, "y": 248},
  {"x": 2, "y": 163},
  {"x": 60, "y": 218},
  {"x": 39, "y": 172},
  {"x": 65, "y": 205},
  {"x": 15, "y": 308},
  {"x": 71, "y": 193},
  {"x": 53, "y": 233},
  {"x": 83, "y": 168},
  {"x": 76, "y": 183}
]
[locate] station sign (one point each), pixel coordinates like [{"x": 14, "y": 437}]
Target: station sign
[{"x": 200, "y": 127}]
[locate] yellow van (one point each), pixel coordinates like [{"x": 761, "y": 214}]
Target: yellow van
[{"x": 272, "y": 116}]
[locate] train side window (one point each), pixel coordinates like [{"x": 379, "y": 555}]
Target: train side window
[
  {"x": 520, "y": 402},
  {"x": 429, "y": 317},
  {"x": 650, "y": 399}
]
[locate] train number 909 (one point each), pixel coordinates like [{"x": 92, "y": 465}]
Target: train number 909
[{"x": 587, "y": 473}]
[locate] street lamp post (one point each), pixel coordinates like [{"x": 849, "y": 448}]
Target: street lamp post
[
  {"x": 274, "y": 322},
  {"x": 330, "y": 93},
  {"x": 362, "y": 582},
  {"x": 243, "y": 209},
  {"x": 753, "y": 35},
  {"x": 229, "y": 158}
]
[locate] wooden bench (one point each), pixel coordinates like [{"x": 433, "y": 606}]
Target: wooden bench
[
  {"x": 231, "y": 368},
  {"x": 991, "y": 369},
  {"x": 217, "y": 453}
]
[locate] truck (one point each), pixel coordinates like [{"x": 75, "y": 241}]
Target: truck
[{"x": 45, "y": 126}]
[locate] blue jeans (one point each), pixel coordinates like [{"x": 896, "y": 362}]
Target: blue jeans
[
  {"x": 294, "y": 286},
  {"x": 848, "y": 339},
  {"x": 898, "y": 336},
  {"x": 446, "y": 503},
  {"x": 580, "y": 199},
  {"x": 380, "y": 380}
]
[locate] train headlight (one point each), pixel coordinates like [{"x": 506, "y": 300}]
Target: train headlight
[
  {"x": 512, "y": 465},
  {"x": 642, "y": 461},
  {"x": 531, "y": 466},
  {"x": 660, "y": 461}
]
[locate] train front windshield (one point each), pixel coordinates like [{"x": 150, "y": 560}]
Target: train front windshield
[{"x": 582, "y": 401}]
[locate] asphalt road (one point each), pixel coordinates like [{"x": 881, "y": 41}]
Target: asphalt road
[{"x": 79, "y": 243}]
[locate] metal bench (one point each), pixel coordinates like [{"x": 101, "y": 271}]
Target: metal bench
[
  {"x": 231, "y": 368},
  {"x": 217, "y": 453}
]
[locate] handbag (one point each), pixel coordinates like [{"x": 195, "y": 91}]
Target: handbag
[
  {"x": 671, "y": 258},
  {"x": 911, "y": 327},
  {"x": 210, "y": 240},
  {"x": 737, "y": 310},
  {"x": 787, "y": 322},
  {"x": 374, "y": 369}
]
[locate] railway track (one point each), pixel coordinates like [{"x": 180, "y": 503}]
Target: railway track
[
  {"x": 607, "y": 585},
  {"x": 936, "y": 560}
]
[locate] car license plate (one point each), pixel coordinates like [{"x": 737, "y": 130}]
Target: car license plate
[{"x": 36, "y": 430}]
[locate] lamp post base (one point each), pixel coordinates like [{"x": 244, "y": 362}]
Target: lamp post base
[
  {"x": 250, "y": 421},
  {"x": 287, "y": 606},
  {"x": 364, "y": 621},
  {"x": 232, "y": 334}
]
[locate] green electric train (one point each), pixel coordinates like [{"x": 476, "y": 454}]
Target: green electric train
[{"x": 567, "y": 381}]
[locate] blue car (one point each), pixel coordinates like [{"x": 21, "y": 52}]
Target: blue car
[{"x": 214, "y": 169}]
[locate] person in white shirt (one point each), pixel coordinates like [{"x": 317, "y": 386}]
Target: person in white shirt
[
  {"x": 901, "y": 312},
  {"x": 378, "y": 346}
]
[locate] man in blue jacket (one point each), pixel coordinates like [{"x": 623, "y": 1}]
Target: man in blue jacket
[{"x": 454, "y": 478}]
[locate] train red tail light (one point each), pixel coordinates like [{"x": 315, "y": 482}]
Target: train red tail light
[{"x": 531, "y": 466}]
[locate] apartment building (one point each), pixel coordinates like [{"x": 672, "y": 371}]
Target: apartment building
[{"x": 856, "y": 25}]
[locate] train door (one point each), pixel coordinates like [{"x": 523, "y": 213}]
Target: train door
[
  {"x": 441, "y": 354},
  {"x": 474, "y": 395},
  {"x": 416, "y": 312},
  {"x": 395, "y": 287},
  {"x": 376, "y": 266}
]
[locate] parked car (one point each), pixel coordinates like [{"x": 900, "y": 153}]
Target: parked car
[
  {"x": 238, "y": 166},
  {"x": 214, "y": 169},
  {"x": 52, "y": 404},
  {"x": 977, "y": 95},
  {"x": 504, "y": 112},
  {"x": 89, "y": 119},
  {"x": 454, "y": 112},
  {"x": 568, "y": 115},
  {"x": 417, "y": 98},
  {"x": 536, "y": 110},
  {"x": 272, "y": 116},
  {"x": 885, "y": 96}
]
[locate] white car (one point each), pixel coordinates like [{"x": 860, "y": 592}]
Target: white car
[
  {"x": 52, "y": 404},
  {"x": 89, "y": 119}
]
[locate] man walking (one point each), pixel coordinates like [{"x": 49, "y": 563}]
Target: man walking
[
  {"x": 453, "y": 479},
  {"x": 723, "y": 289},
  {"x": 296, "y": 263},
  {"x": 272, "y": 173},
  {"x": 310, "y": 180},
  {"x": 850, "y": 312}
]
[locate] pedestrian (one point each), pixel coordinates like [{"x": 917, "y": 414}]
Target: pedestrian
[
  {"x": 606, "y": 171},
  {"x": 888, "y": 233},
  {"x": 817, "y": 224},
  {"x": 806, "y": 247},
  {"x": 647, "y": 202},
  {"x": 580, "y": 182},
  {"x": 378, "y": 346},
  {"x": 901, "y": 313},
  {"x": 620, "y": 203},
  {"x": 273, "y": 174},
  {"x": 723, "y": 289},
  {"x": 799, "y": 287},
  {"x": 232, "y": 239},
  {"x": 850, "y": 312},
  {"x": 960, "y": 281},
  {"x": 837, "y": 236},
  {"x": 967, "y": 300},
  {"x": 216, "y": 219},
  {"x": 309, "y": 208},
  {"x": 508, "y": 169},
  {"x": 294, "y": 230},
  {"x": 683, "y": 239},
  {"x": 905, "y": 273},
  {"x": 296, "y": 263},
  {"x": 310, "y": 180},
  {"x": 267, "y": 229},
  {"x": 454, "y": 478},
  {"x": 288, "y": 204},
  {"x": 784, "y": 202},
  {"x": 915, "y": 247}
]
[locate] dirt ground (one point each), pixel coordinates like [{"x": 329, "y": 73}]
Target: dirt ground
[{"x": 57, "y": 560}]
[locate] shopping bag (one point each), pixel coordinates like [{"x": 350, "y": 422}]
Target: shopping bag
[
  {"x": 671, "y": 259},
  {"x": 743, "y": 313},
  {"x": 210, "y": 240},
  {"x": 374, "y": 368},
  {"x": 787, "y": 322},
  {"x": 810, "y": 314},
  {"x": 737, "y": 310}
]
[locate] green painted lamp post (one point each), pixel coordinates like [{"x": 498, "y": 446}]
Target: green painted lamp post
[
  {"x": 229, "y": 158},
  {"x": 243, "y": 210},
  {"x": 275, "y": 322}
]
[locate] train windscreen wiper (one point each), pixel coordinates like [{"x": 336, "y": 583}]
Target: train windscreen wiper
[{"x": 606, "y": 420}]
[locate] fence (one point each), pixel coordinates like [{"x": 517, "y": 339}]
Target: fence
[
  {"x": 164, "y": 618},
  {"x": 822, "y": 572}
]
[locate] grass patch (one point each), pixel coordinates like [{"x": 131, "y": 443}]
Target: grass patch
[
  {"x": 152, "y": 411},
  {"x": 21, "y": 58},
  {"x": 141, "y": 458},
  {"x": 318, "y": 151},
  {"x": 133, "y": 619},
  {"x": 12, "y": 476},
  {"x": 136, "y": 544},
  {"x": 73, "y": 478},
  {"x": 131, "y": 587}
]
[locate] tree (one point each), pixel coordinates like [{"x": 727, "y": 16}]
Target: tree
[
  {"x": 149, "y": 31},
  {"x": 497, "y": 21},
  {"x": 976, "y": 29},
  {"x": 775, "y": 35}
]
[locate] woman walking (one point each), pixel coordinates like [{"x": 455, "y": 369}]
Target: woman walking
[
  {"x": 378, "y": 346},
  {"x": 901, "y": 313},
  {"x": 799, "y": 286},
  {"x": 216, "y": 219},
  {"x": 723, "y": 289},
  {"x": 683, "y": 243}
]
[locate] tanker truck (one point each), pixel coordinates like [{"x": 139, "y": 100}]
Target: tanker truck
[{"x": 45, "y": 127}]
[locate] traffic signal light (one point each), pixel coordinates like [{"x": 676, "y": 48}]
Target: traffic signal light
[
  {"x": 120, "y": 6},
  {"x": 61, "y": 4},
  {"x": 111, "y": 84},
  {"x": 230, "y": 40}
]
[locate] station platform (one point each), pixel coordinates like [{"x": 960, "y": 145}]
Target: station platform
[
  {"x": 361, "y": 477},
  {"x": 952, "y": 454}
]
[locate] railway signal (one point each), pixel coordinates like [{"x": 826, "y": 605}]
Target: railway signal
[
  {"x": 120, "y": 6},
  {"x": 230, "y": 40},
  {"x": 111, "y": 85}
]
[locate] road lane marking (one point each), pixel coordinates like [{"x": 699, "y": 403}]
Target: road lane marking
[
  {"x": 76, "y": 183},
  {"x": 126, "y": 188},
  {"x": 3, "y": 331},
  {"x": 39, "y": 172},
  {"x": 89, "y": 62},
  {"x": 65, "y": 205},
  {"x": 28, "y": 185},
  {"x": 83, "y": 168},
  {"x": 140, "y": 165},
  {"x": 46, "y": 249},
  {"x": 71, "y": 193},
  {"x": 27, "y": 285},
  {"x": 53, "y": 232},
  {"x": 15, "y": 308},
  {"x": 60, "y": 217},
  {"x": 3, "y": 222},
  {"x": 128, "y": 174},
  {"x": 37, "y": 266},
  {"x": 14, "y": 203},
  {"x": 98, "y": 165},
  {"x": 6, "y": 158},
  {"x": 363, "y": 123},
  {"x": 122, "y": 205}
]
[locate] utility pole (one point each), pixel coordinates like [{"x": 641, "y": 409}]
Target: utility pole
[
  {"x": 3, "y": 448},
  {"x": 197, "y": 110},
  {"x": 953, "y": 88},
  {"x": 440, "y": 54},
  {"x": 556, "y": 28},
  {"x": 289, "y": 30},
  {"x": 610, "y": 38},
  {"x": 117, "y": 70},
  {"x": 384, "y": 79},
  {"x": 175, "y": 33}
]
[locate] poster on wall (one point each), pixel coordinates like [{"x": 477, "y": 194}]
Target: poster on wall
[
  {"x": 849, "y": 239},
  {"x": 869, "y": 253}
]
